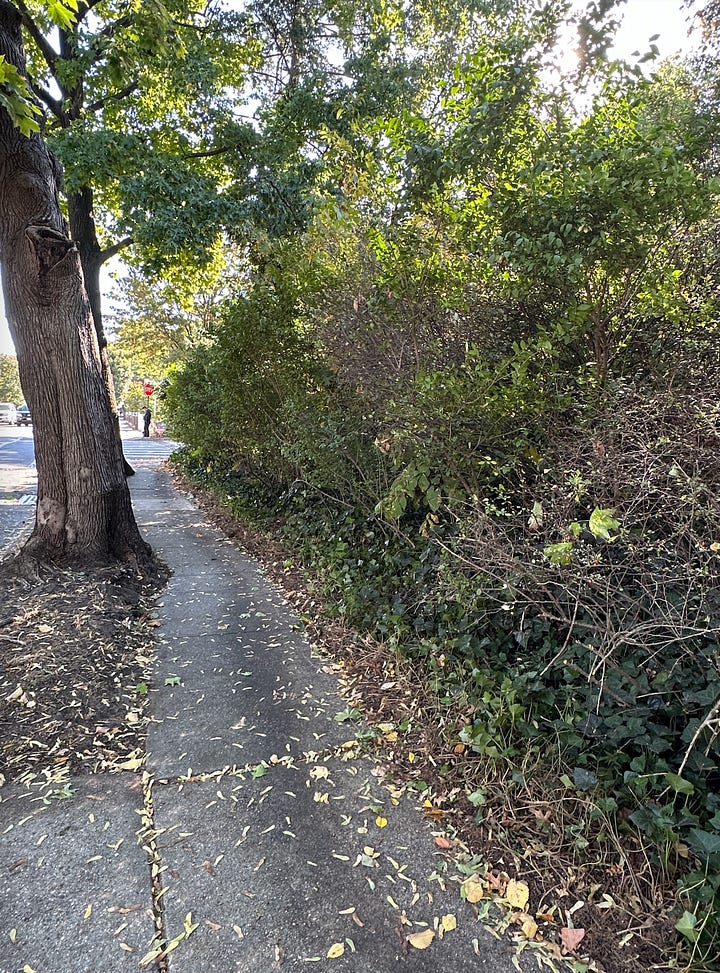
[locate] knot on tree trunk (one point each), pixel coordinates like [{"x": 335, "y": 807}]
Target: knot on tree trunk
[{"x": 50, "y": 246}]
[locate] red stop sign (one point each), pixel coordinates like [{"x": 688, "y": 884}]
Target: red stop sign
[{"x": 148, "y": 388}]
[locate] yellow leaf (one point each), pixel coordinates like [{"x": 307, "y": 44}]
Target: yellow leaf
[
  {"x": 517, "y": 894},
  {"x": 448, "y": 922},
  {"x": 13, "y": 935},
  {"x": 88, "y": 912},
  {"x": 529, "y": 927},
  {"x": 473, "y": 889},
  {"x": 381, "y": 822},
  {"x": 411, "y": 758},
  {"x": 336, "y": 950},
  {"x": 132, "y": 764},
  {"x": 421, "y": 940}
]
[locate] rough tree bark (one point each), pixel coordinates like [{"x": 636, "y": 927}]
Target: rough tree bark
[
  {"x": 92, "y": 257},
  {"x": 84, "y": 514}
]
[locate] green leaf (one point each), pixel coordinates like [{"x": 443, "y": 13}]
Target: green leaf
[
  {"x": 602, "y": 522},
  {"x": 62, "y": 12},
  {"x": 584, "y": 779},
  {"x": 679, "y": 784},
  {"x": 141, "y": 689},
  {"x": 15, "y": 98},
  {"x": 478, "y": 798},
  {"x": 559, "y": 553},
  {"x": 703, "y": 843},
  {"x": 686, "y": 926},
  {"x": 172, "y": 681}
]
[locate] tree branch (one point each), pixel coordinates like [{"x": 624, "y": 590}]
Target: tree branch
[
  {"x": 118, "y": 96},
  {"x": 109, "y": 252},
  {"x": 45, "y": 48},
  {"x": 54, "y": 104},
  {"x": 209, "y": 152}
]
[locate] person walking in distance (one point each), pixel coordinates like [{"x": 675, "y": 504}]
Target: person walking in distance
[{"x": 146, "y": 422}]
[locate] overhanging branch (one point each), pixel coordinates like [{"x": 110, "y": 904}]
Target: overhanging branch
[
  {"x": 49, "y": 54},
  {"x": 118, "y": 96},
  {"x": 109, "y": 252}
]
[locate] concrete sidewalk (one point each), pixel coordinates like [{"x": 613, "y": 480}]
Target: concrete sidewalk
[{"x": 258, "y": 836}]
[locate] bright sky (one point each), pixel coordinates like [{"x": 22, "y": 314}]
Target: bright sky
[{"x": 641, "y": 20}]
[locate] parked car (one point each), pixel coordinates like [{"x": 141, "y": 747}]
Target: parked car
[
  {"x": 22, "y": 416},
  {"x": 7, "y": 412}
]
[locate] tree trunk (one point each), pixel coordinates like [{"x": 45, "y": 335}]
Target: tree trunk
[
  {"x": 82, "y": 230},
  {"x": 84, "y": 514}
]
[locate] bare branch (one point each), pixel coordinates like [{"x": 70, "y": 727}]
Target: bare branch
[{"x": 109, "y": 252}]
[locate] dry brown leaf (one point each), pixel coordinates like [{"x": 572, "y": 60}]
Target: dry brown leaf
[{"x": 443, "y": 842}]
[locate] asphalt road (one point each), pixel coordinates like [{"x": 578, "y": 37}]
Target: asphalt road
[{"x": 18, "y": 481}]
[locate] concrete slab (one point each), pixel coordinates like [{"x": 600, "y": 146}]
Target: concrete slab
[
  {"x": 74, "y": 883},
  {"x": 248, "y": 684},
  {"x": 278, "y": 870},
  {"x": 240, "y": 700}
]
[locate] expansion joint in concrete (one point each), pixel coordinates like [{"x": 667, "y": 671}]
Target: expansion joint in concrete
[{"x": 147, "y": 835}]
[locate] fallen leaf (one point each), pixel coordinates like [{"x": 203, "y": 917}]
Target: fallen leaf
[
  {"x": 88, "y": 912},
  {"x": 336, "y": 950},
  {"x": 571, "y": 938},
  {"x": 381, "y": 822},
  {"x": 527, "y": 924},
  {"x": 448, "y": 922},
  {"x": 443, "y": 842},
  {"x": 517, "y": 894},
  {"x": 421, "y": 940},
  {"x": 473, "y": 889}
]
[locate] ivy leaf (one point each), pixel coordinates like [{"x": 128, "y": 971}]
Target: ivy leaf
[
  {"x": 584, "y": 779},
  {"x": 679, "y": 784},
  {"x": 686, "y": 926}
]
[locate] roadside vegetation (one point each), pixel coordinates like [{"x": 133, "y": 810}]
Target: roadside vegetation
[{"x": 464, "y": 360}]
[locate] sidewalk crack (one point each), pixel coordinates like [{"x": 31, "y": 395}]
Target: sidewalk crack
[{"x": 148, "y": 835}]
